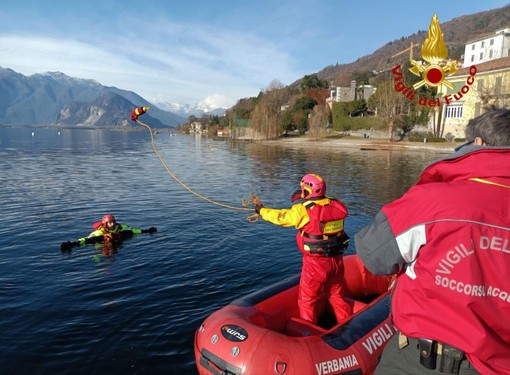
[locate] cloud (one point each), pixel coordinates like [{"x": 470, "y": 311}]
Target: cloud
[
  {"x": 169, "y": 62},
  {"x": 216, "y": 101}
]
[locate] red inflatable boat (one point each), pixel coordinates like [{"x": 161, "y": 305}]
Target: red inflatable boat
[{"x": 262, "y": 333}]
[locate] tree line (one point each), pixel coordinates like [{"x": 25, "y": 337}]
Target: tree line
[{"x": 280, "y": 110}]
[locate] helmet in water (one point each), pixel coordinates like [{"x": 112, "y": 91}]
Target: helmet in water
[
  {"x": 312, "y": 185},
  {"x": 108, "y": 219}
]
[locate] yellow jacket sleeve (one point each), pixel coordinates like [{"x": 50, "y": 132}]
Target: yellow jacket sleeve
[
  {"x": 287, "y": 217},
  {"x": 132, "y": 229},
  {"x": 95, "y": 233}
]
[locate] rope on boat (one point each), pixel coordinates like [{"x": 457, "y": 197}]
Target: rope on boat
[{"x": 251, "y": 218}]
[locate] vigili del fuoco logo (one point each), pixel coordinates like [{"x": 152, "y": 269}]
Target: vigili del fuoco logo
[{"x": 433, "y": 71}]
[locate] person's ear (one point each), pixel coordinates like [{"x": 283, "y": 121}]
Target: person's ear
[{"x": 479, "y": 142}]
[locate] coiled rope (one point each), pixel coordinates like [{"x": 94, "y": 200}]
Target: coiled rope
[{"x": 254, "y": 201}]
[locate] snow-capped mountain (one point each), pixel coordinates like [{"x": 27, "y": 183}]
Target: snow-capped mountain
[
  {"x": 186, "y": 110},
  {"x": 64, "y": 79}
]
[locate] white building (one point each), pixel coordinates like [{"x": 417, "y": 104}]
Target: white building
[
  {"x": 196, "y": 128},
  {"x": 487, "y": 48},
  {"x": 351, "y": 93}
]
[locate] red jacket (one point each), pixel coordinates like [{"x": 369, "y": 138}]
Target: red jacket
[{"x": 449, "y": 239}]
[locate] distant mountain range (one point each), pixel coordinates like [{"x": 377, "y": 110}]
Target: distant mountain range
[
  {"x": 197, "y": 110},
  {"x": 55, "y": 99}
]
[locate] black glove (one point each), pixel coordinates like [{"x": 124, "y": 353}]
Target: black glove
[
  {"x": 345, "y": 240},
  {"x": 295, "y": 196},
  {"x": 258, "y": 207},
  {"x": 150, "y": 230},
  {"x": 65, "y": 246}
]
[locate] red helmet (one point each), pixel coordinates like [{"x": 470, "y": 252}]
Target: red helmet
[
  {"x": 108, "y": 219},
  {"x": 312, "y": 185}
]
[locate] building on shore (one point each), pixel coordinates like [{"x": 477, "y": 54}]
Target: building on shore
[
  {"x": 351, "y": 93},
  {"x": 487, "y": 48},
  {"x": 483, "y": 82},
  {"x": 475, "y": 89}
]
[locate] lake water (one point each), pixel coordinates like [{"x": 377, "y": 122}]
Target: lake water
[{"x": 136, "y": 311}]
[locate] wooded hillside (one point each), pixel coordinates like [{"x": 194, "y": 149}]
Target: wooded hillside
[{"x": 456, "y": 33}]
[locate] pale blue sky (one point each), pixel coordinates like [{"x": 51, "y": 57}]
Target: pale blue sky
[{"x": 206, "y": 51}]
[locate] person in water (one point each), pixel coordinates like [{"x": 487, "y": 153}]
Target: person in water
[
  {"x": 448, "y": 240},
  {"x": 322, "y": 241},
  {"x": 109, "y": 232}
]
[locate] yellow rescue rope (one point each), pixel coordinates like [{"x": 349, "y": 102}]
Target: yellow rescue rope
[{"x": 254, "y": 200}]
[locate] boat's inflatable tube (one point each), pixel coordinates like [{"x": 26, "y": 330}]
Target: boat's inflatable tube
[{"x": 261, "y": 333}]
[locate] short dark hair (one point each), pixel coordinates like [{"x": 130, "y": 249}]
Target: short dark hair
[{"x": 493, "y": 127}]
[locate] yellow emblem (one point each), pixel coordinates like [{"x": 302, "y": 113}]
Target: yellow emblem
[{"x": 434, "y": 52}]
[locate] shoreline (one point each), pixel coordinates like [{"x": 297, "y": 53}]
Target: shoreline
[{"x": 362, "y": 144}]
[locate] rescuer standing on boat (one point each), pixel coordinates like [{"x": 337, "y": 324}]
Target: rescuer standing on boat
[
  {"x": 448, "y": 240},
  {"x": 322, "y": 240}
]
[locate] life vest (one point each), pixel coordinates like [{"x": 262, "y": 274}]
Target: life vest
[
  {"x": 324, "y": 234},
  {"x": 111, "y": 235}
]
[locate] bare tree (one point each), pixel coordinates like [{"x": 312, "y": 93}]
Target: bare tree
[
  {"x": 262, "y": 119},
  {"x": 493, "y": 95},
  {"x": 384, "y": 102},
  {"x": 318, "y": 120},
  {"x": 266, "y": 117},
  {"x": 388, "y": 103}
]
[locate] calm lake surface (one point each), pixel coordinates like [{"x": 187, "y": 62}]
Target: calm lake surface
[{"x": 136, "y": 311}]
